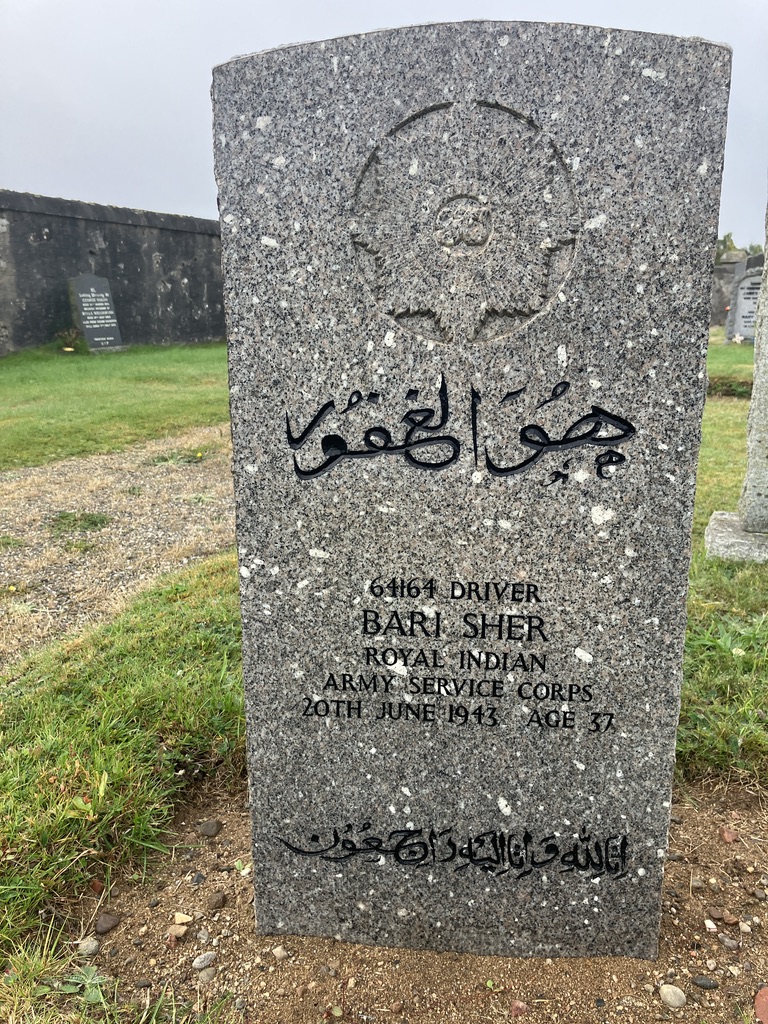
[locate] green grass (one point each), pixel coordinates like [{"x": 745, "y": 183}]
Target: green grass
[
  {"x": 63, "y": 523},
  {"x": 722, "y": 461},
  {"x": 723, "y": 723},
  {"x": 54, "y": 405},
  {"x": 100, "y": 733},
  {"x": 730, "y": 367}
]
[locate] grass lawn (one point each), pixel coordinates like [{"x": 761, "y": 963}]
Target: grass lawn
[
  {"x": 54, "y": 405},
  {"x": 723, "y": 722},
  {"x": 730, "y": 367}
]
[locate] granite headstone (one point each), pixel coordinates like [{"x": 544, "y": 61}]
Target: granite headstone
[
  {"x": 743, "y": 535},
  {"x": 94, "y": 312},
  {"x": 743, "y": 308},
  {"x": 467, "y": 279}
]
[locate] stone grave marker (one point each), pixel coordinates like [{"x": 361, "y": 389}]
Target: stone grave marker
[
  {"x": 743, "y": 535},
  {"x": 743, "y": 308},
  {"x": 94, "y": 312},
  {"x": 467, "y": 285}
]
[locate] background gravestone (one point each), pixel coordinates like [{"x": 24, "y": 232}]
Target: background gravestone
[
  {"x": 743, "y": 535},
  {"x": 467, "y": 282},
  {"x": 743, "y": 308},
  {"x": 94, "y": 312}
]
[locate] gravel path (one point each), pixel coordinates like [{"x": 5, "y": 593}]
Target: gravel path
[{"x": 164, "y": 504}]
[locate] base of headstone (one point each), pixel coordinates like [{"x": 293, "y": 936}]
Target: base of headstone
[{"x": 725, "y": 537}]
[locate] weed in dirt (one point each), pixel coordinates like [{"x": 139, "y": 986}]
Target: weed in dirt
[
  {"x": 80, "y": 547},
  {"x": 62, "y": 523},
  {"x": 8, "y": 543},
  {"x": 180, "y": 457}
]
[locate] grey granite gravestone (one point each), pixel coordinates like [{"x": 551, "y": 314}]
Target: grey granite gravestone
[
  {"x": 743, "y": 307},
  {"x": 467, "y": 276},
  {"x": 94, "y": 312},
  {"x": 743, "y": 535}
]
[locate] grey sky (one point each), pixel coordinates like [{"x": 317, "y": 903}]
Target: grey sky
[{"x": 109, "y": 101}]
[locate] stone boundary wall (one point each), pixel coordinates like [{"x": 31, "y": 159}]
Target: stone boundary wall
[{"x": 164, "y": 270}]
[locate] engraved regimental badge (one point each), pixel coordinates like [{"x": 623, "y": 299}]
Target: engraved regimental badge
[{"x": 465, "y": 221}]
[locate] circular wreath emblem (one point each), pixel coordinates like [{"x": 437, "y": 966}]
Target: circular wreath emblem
[{"x": 465, "y": 221}]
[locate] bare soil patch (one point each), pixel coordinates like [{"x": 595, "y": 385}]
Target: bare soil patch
[
  {"x": 164, "y": 505},
  {"x": 716, "y": 872}
]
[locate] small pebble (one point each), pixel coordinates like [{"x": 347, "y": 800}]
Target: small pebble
[
  {"x": 203, "y": 961},
  {"x": 178, "y": 930},
  {"x": 280, "y": 953},
  {"x": 198, "y": 878},
  {"x": 240, "y": 1003},
  {"x": 203, "y": 935},
  {"x": 397, "y": 1007},
  {"x": 153, "y": 903},
  {"x": 711, "y": 965},
  {"x": 181, "y": 918},
  {"x": 217, "y": 900},
  {"x": 710, "y": 925},
  {"x": 728, "y": 942},
  {"x": 672, "y": 996},
  {"x": 210, "y": 828},
  {"x": 697, "y": 884},
  {"x": 207, "y": 974},
  {"x": 715, "y": 914},
  {"x": 143, "y": 983},
  {"x": 729, "y": 918},
  {"x": 702, "y": 981},
  {"x": 105, "y": 923},
  {"x": 675, "y": 855},
  {"x": 88, "y": 947},
  {"x": 744, "y": 928}
]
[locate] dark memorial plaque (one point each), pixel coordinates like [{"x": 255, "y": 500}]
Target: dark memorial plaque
[
  {"x": 94, "y": 312},
  {"x": 467, "y": 284}
]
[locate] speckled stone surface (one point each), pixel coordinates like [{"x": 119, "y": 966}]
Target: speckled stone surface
[
  {"x": 467, "y": 274},
  {"x": 753, "y": 506}
]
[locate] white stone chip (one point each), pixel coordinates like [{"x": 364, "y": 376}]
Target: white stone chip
[
  {"x": 600, "y": 515},
  {"x": 596, "y": 222}
]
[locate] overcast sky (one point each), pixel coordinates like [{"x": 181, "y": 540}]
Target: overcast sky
[{"x": 108, "y": 100}]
